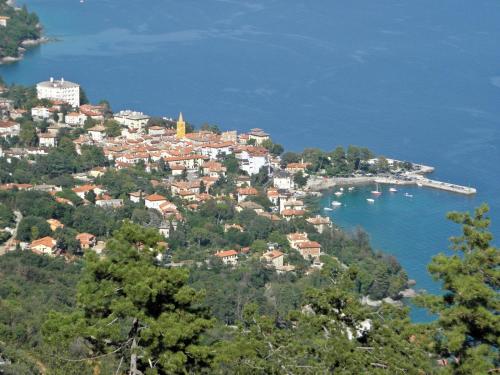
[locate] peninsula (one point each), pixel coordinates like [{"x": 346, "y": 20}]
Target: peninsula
[
  {"x": 197, "y": 251},
  {"x": 19, "y": 30}
]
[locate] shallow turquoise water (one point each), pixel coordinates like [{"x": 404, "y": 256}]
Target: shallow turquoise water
[
  {"x": 412, "y": 229},
  {"x": 416, "y": 80}
]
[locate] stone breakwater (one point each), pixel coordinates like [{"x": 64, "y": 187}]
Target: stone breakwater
[{"x": 317, "y": 183}]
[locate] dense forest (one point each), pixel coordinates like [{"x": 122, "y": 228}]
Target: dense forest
[
  {"x": 125, "y": 313},
  {"x": 21, "y": 26}
]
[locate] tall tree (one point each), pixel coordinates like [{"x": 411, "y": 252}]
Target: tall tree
[
  {"x": 135, "y": 311},
  {"x": 468, "y": 323}
]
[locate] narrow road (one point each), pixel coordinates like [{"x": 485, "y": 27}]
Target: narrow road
[{"x": 9, "y": 245}]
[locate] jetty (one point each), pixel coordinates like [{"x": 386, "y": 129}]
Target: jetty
[
  {"x": 426, "y": 182},
  {"x": 413, "y": 177}
]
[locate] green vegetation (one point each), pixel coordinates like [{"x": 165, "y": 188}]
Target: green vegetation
[
  {"x": 134, "y": 315},
  {"x": 132, "y": 310},
  {"x": 21, "y": 26},
  {"x": 468, "y": 322},
  {"x": 32, "y": 286}
]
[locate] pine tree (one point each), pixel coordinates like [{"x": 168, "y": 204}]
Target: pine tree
[
  {"x": 134, "y": 312},
  {"x": 468, "y": 328}
]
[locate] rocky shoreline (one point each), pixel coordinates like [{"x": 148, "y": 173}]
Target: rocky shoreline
[{"x": 25, "y": 45}]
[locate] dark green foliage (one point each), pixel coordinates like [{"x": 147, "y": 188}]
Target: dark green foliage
[
  {"x": 33, "y": 227},
  {"x": 120, "y": 183},
  {"x": 7, "y": 217},
  {"x": 334, "y": 334},
  {"x": 300, "y": 180},
  {"x": 129, "y": 306},
  {"x": 468, "y": 323},
  {"x": 113, "y": 128},
  {"x": 66, "y": 241},
  {"x": 31, "y": 286},
  {"x": 21, "y": 26}
]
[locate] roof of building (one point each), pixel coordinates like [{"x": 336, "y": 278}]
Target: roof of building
[
  {"x": 45, "y": 241},
  {"x": 155, "y": 198},
  {"x": 226, "y": 253},
  {"x": 62, "y": 84},
  {"x": 308, "y": 244}
]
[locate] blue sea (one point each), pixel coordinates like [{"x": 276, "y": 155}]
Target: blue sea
[{"x": 415, "y": 80}]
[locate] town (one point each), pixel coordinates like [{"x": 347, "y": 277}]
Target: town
[{"x": 194, "y": 160}]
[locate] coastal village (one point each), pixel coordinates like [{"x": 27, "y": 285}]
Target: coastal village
[{"x": 194, "y": 160}]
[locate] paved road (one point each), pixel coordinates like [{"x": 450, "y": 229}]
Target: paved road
[{"x": 9, "y": 245}]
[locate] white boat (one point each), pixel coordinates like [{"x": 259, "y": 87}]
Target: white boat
[
  {"x": 419, "y": 184},
  {"x": 370, "y": 200},
  {"x": 408, "y": 195},
  {"x": 336, "y": 204},
  {"x": 338, "y": 193},
  {"x": 328, "y": 209},
  {"x": 341, "y": 189},
  {"x": 393, "y": 190},
  {"x": 351, "y": 188},
  {"x": 376, "y": 192}
]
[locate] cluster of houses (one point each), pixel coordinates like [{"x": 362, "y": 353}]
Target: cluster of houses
[{"x": 195, "y": 156}]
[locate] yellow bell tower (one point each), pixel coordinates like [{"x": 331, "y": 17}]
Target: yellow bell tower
[{"x": 181, "y": 127}]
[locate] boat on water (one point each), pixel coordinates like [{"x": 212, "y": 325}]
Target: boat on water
[
  {"x": 338, "y": 193},
  {"x": 377, "y": 191},
  {"x": 328, "y": 209},
  {"x": 408, "y": 195},
  {"x": 419, "y": 184},
  {"x": 341, "y": 189},
  {"x": 393, "y": 190},
  {"x": 351, "y": 188},
  {"x": 336, "y": 204},
  {"x": 370, "y": 200}
]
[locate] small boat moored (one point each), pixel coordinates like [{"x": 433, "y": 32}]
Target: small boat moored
[
  {"x": 336, "y": 204},
  {"x": 408, "y": 195},
  {"x": 370, "y": 200},
  {"x": 393, "y": 190}
]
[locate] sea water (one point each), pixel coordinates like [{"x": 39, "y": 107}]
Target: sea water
[{"x": 413, "y": 80}]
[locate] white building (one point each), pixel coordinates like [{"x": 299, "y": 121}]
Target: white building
[
  {"x": 62, "y": 90},
  {"x": 228, "y": 257},
  {"x": 252, "y": 162},
  {"x": 154, "y": 201},
  {"x": 47, "y": 140},
  {"x": 40, "y": 113},
  {"x": 75, "y": 119},
  {"x": 131, "y": 119},
  {"x": 9, "y": 128},
  {"x": 283, "y": 180},
  {"x": 97, "y": 133}
]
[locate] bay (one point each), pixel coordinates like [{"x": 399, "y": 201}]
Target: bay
[{"x": 416, "y": 80}]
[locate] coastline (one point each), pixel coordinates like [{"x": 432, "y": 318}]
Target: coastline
[
  {"x": 322, "y": 183},
  {"x": 25, "y": 45}
]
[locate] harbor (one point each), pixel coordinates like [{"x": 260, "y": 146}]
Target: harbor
[{"x": 414, "y": 177}]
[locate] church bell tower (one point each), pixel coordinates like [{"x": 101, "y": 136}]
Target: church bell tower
[{"x": 181, "y": 127}]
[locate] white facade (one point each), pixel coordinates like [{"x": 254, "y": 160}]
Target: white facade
[
  {"x": 9, "y": 128},
  {"x": 131, "y": 119},
  {"x": 47, "y": 140},
  {"x": 75, "y": 119},
  {"x": 62, "y": 90},
  {"x": 283, "y": 180},
  {"x": 40, "y": 112},
  {"x": 252, "y": 163}
]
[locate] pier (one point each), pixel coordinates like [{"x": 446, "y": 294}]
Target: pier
[{"x": 426, "y": 182}]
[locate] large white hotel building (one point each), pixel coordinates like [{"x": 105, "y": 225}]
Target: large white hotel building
[{"x": 62, "y": 90}]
